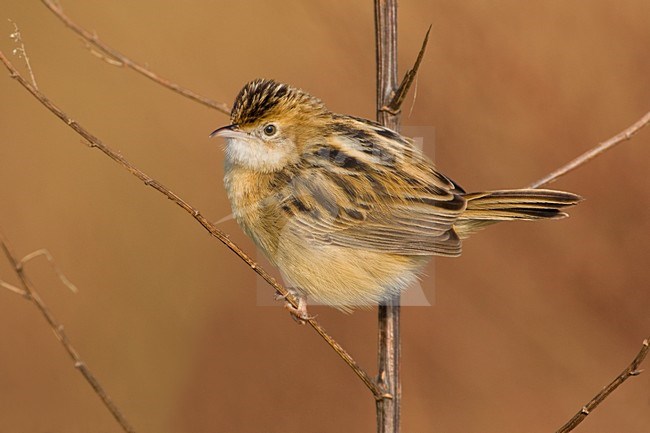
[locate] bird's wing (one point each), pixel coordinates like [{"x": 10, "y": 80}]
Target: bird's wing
[{"x": 367, "y": 187}]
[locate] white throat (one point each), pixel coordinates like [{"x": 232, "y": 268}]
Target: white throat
[{"x": 254, "y": 154}]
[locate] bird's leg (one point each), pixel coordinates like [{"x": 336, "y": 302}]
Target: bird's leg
[{"x": 299, "y": 313}]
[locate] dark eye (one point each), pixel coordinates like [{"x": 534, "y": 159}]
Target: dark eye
[{"x": 270, "y": 129}]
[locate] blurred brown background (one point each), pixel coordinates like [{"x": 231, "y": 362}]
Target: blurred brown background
[{"x": 529, "y": 324}]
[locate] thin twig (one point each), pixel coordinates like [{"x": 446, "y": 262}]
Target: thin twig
[
  {"x": 95, "y": 142},
  {"x": 395, "y": 104},
  {"x": 631, "y": 370},
  {"x": 388, "y": 346},
  {"x": 13, "y": 288},
  {"x": 45, "y": 253},
  {"x": 31, "y": 294},
  {"x": 123, "y": 60},
  {"x": 21, "y": 51},
  {"x": 592, "y": 153}
]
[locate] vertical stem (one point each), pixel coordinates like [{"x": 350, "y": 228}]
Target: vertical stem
[
  {"x": 388, "y": 408},
  {"x": 386, "y": 49}
]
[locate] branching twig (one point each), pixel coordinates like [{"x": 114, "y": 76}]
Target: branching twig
[
  {"x": 95, "y": 142},
  {"x": 29, "y": 292},
  {"x": 395, "y": 104},
  {"x": 592, "y": 153},
  {"x": 21, "y": 52},
  {"x": 631, "y": 370},
  {"x": 122, "y": 60},
  {"x": 45, "y": 253}
]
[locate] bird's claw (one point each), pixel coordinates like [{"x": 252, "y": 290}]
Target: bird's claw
[{"x": 298, "y": 313}]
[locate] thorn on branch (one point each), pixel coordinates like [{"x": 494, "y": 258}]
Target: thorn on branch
[{"x": 395, "y": 104}]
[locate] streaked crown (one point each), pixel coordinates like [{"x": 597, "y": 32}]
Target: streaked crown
[{"x": 261, "y": 99}]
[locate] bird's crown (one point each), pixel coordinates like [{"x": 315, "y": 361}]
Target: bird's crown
[{"x": 262, "y": 98}]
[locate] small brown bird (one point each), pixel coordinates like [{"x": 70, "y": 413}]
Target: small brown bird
[{"x": 348, "y": 210}]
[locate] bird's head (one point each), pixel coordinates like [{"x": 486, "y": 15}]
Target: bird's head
[{"x": 270, "y": 121}]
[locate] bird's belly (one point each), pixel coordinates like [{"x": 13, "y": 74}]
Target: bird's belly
[{"x": 344, "y": 277}]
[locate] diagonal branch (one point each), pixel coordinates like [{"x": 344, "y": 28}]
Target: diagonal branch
[
  {"x": 592, "y": 153},
  {"x": 631, "y": 370},
  {"x": 95, "y": 142},
  {"x": 29, "y": 292},
  {"x": 123, "y": 60},
  {"x": 395, "y": 104}
]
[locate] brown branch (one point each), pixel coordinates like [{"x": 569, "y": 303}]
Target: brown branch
[
  {"x": 388, "y": 346},
  {"x": 631, "y": 370},
  {"x": 95, "y": 142},
  {"x": 30, "y": 293},
  {"x": 592, "y": 153},
  {"x": 395, "y": 105},
  {"x": 123, "y": 60}
]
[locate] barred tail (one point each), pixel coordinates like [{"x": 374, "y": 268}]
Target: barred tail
[{"x": 486, "y": 208}]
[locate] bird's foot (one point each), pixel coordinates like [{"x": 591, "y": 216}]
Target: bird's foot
[{"x": 299, "y": 313}]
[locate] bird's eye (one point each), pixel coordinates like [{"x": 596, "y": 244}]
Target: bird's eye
[{"x": 270, "y": 129}]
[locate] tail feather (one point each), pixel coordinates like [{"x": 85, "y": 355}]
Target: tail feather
[{"x": 486, "y": 208}]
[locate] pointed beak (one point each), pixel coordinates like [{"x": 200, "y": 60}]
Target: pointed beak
[{"x": 230, "y": 131}]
